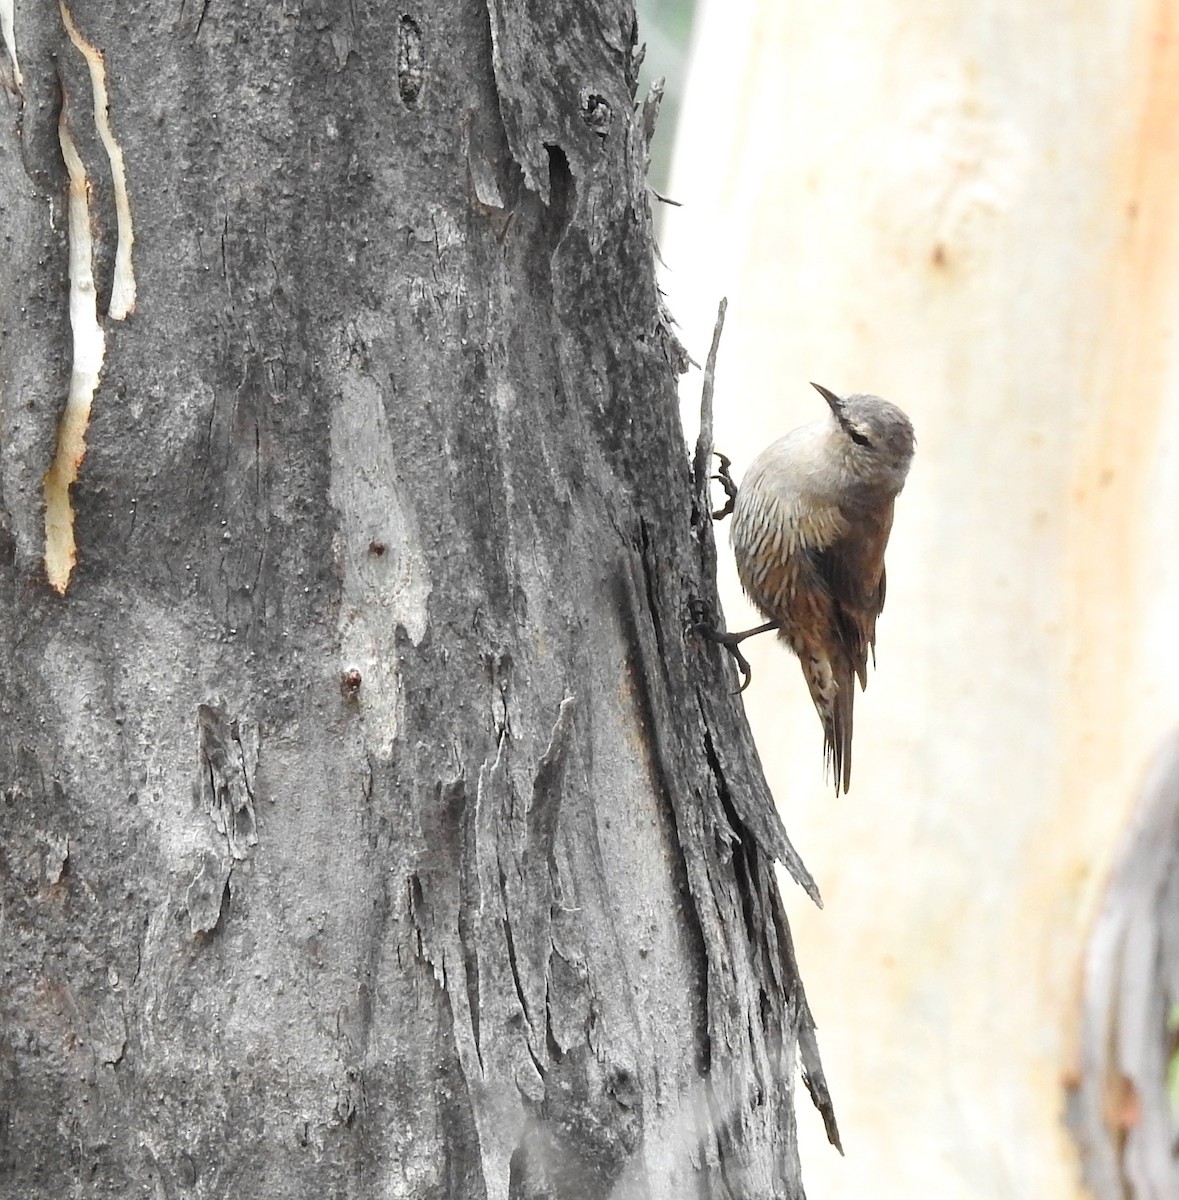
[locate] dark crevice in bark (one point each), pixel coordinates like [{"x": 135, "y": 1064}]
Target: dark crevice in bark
[
  {"x": 562, "y": 192},
  {"x": 466, "y": 920},
  {"x": 648, "y": 558},
  {"x": 513, "y": 965},
  {"x": 554, "y": 1050},
  {"x": 204, "y": 6}
]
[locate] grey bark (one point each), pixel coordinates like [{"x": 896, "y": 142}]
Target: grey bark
[
  {"x": 1122, "y": 1104},
  {"x": 370, "y": 825}
]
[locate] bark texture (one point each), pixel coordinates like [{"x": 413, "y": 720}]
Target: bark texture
[
  {"x": 1123, "y": 1099},
  {"x": 370, "y": 824}
]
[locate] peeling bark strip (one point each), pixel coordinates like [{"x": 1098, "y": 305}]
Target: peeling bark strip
[
  {"x": 122, "y": 301},
  {"x": 88, "y": 338},
  {"x": 89, "y": 351},
  {"x": 6, "y": 31}
]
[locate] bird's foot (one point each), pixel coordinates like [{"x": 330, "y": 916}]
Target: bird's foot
[
  {"x": 705, "y": 624},
  {"x": 725, "y": 479}
]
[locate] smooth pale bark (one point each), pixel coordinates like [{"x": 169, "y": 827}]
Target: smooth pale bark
[
  {"x": 974, "y": 212},
  {"x": 370, "y": 824}
]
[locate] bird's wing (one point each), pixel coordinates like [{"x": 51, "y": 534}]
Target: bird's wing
[{"x": 852, "y": 570}]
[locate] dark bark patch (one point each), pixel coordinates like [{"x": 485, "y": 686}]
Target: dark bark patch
[
  {"x": 596, "y": 112},
  {"x": 350, "y": 682},
  {"x": 411, "y": 60}
]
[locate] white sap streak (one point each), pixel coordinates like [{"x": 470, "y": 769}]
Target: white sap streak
[{"x": 123, "y": 283}]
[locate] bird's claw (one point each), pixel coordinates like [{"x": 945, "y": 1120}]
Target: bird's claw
[
  {"x": 704, "y": 623},
  {"x": 725, "y": 479},
  {"x": 742, "y": 666}
]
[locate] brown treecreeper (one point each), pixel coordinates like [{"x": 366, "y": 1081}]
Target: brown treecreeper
[{"x": 811, "y": 521}]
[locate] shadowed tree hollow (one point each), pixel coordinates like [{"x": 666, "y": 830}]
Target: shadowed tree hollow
[{"x": 370, "y": 824}]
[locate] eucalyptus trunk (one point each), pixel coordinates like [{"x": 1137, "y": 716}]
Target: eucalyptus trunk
[{"x": 372, "y": 823}]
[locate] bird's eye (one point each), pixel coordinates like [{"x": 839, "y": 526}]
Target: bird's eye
[{"x": 859, "y": 439}]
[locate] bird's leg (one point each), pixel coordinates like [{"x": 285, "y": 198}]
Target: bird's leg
[
  {"x": 704, "y": 623},
  {"x": 726, "y": 481},
  {"x": 732, "y": 643}
]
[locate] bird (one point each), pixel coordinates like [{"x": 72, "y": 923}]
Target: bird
[{"x": 811, "y": 521}]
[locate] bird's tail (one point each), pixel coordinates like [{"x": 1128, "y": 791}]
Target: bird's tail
[
  {"x": 832, "y": 689},
  {"x": 837, "y": 729}
]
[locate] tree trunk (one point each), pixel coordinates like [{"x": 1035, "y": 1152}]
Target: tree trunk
[{"x": 371, "y": 826}]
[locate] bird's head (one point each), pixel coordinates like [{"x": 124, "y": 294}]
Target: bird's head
[{"x": 877, "y": 438}]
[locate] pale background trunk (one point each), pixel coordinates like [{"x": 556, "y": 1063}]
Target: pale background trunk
[{"x": 973, "y": 211}]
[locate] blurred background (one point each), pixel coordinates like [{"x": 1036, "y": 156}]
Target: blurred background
[{"x": 972, "y": 210}]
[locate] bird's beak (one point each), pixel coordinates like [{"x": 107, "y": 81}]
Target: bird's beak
[{"x": 832, "y": 399}]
